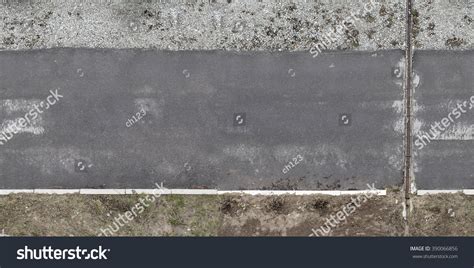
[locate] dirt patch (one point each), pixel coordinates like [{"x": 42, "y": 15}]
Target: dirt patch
[
  {"x": 229, "y": 206},
  {"x": 442, "y": 215},
  {"x": 276, "y": 205},
  {"x": 298, "y": 215},
  {"x": 318, "y": 204},
  {"x": 233, "y": 215}
]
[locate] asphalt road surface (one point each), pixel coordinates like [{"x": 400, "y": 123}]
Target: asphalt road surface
[
  {"x": 205, "y": 120},
  {"x": 444, "y": 159}
]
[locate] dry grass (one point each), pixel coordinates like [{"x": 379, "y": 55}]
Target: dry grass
[{"x": 82, "y": 215}]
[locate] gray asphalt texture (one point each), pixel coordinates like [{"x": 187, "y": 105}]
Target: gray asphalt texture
[
  {"x": 292, "y": 104},
  {"x": 446, "y": 79}
]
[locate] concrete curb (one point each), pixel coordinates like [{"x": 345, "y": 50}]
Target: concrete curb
[
  {"x": 56, "y": 191},
  {"x": 214, "y": 192},
  {"x": 469, "y": 192},
  {"x": 433, "y": 192},
  {"x": 157, "y": 191},
  {"x": 100, "y": 191},
  {"x": 333, "y": 193},
  {"x": 16, "y": 191}
]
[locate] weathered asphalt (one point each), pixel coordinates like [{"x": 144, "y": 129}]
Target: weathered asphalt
[
  {"x": 188, "y": 138},
  {"x": 446, "y": 79}
]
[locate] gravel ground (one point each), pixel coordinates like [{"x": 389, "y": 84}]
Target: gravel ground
[
  {"x": 238, "y": 25},
  {"x": 444, "y": 24},
  {"x": 232, "y": 25}
]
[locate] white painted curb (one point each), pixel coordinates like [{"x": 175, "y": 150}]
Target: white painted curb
[
  {"x": 469, "y": 192},
  {"x": 194, "y": 191},
  {"x": 102, "y": 191},
  {"x": 16, "y": 191},
  {"x": 155, "y": 191},
  {"x": 433, "y": 192},
  {"x": 333, "y": 193},
  {"x": 165, "y": 191},
  {"x": 56, "y": 191}
]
